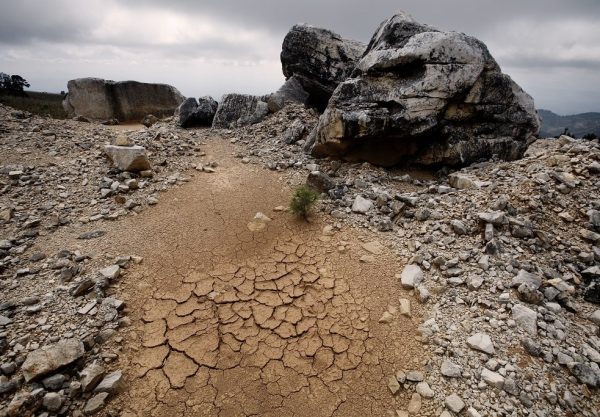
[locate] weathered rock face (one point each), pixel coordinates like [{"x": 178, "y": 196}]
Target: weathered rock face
[
  {"x": 426, "y": 97},
  {"x": 100, "y": 99},
  {"x": 319, "y": 59},
  {"x": 236, "y": 110},
  {"x": 199, "y": 112},
  {"x": 290, "y": 92},
  {"x": 128, "y": 158}
]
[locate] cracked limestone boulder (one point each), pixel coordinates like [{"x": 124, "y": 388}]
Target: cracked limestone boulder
[
  {"x": 99, "y": 99},
  {"x": 128, "y": 158},
  {"x": 237, "y": 110},
  {"x": 423, "y": 96},
  {"x": 319, "y": 60},
  {"x": 192, "y": 112}
]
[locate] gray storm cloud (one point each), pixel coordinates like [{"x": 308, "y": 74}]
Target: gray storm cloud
[{"x": 550, "y": 47}]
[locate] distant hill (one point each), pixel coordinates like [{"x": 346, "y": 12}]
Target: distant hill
[{"x": 578, "y": 124}]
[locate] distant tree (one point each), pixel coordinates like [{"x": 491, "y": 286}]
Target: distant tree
[
  {"x": 12, "y": 84},
  {"x": 590, "y": 136}
]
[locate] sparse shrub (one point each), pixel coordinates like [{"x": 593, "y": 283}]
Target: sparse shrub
[{"x": 302, "y": 201}]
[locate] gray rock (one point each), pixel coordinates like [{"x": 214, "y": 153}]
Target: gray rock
[
  {"x": 411, "y": 276},
  {"x": 320, "y": 181},
  {"x": 450, "y": 369},
  {"x": 459, "y": 227},
  {"x": 53, "y": 401},
  {"x": 50, "y": 358},
  {"x": 415, "y": 376},
  {"x": 491, "y": 378},
  {"x": 532, "y": 347},
  {"x": 319, "y": 60},
  {"x": 424, "y": 390},
  {"x": 461, "y": 181},
  {"x": 481, "y": 342},
  {"x": 528, "y": 278},
  {"x": 454, "y": 403},
  {"x": 528, "y": 293},
  {"x": 111, "y": 382},
  {"x": 194, "y": 112},
  {"x": 361, "y": 205},
  {"x": 294, "y": 133},
  {"x": 586, "y": 374},
  {"x": 290, "y": 92},
  {"x": 128, "y": 158},
  {"x": 111, "y": 272},
  {"x": 91, "y": 376},
  {"x": 54, "y": 382},
  {"x": 424, "y": 96},
  {"x": 149, "y": 120},
  {"x": 99, "y": 99},
  {"x": 96, "y": 403},
  {"x": 595, "y": 317},
  {"x": 525, "y": 318},
  {"x": 236, "y": 110}
]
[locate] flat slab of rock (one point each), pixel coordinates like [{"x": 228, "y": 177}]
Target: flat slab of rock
[
  {"x": 411, "y": 276},
  {"x": 50, "y": 358},
  {"x": 128, "y": 158},
  {"x": 96, "y": 403},
  {"x": 111, "y": 382},
  {"x": 525, "y": 318},
  {"x": 481, "y": 342}
]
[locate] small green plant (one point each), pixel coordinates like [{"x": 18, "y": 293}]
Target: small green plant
[{"x": 302, "y": 201}]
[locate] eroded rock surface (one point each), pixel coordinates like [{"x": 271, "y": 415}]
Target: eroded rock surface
[
  {"x": 237, "y": 110},
  {"x": 99, "y": 99},
  {"x": 423, "y": 96},
  {"x": 319, "y": 59}
]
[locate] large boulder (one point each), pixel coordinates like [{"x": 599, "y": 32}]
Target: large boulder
[
  {"x": 424, "y": 96},
  {"x": 237, "y": 110},
  {"x": 319, "y": 60},
  {"x": 99, "y": 99},
  {"x": 194, "y": 112}
]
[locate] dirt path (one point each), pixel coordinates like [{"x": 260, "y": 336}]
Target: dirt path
[{"x": 281, "y": 321}]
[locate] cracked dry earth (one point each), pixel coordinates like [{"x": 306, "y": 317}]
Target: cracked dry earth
[{"x": 234, "y": 321}]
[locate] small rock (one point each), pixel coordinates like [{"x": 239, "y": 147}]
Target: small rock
[
  {"x": 454, "y": 403},
  {"x": 111, "y": 382},
  {"x": 53, "y": 401},
  {"x": 450, "y": 369},
  {"x": 411, "y": 276},
  {"x": 96, "y": 403},
  {"x": 361, "y": 205},
  {"x": 491, "y": 378},
  {"x": 393, "y": 385},
  {"x": 91, "y": 376},
  {"x": 481, "y": 342}
]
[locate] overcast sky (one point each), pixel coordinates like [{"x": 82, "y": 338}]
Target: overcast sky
[{"x": 550, "y": 47}]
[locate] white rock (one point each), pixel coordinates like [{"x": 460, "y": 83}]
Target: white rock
[
  {"x": 414, "y": 406},
  {"x": 128, "y": 158},
  {"x": 361, "y": 204},
  {"x": 111, "y": 272},
  {"x": 424, "y": 390},
  {"x": 454, "y": 403},
  {"x": 491, "y": 378},
  {"x": 482, "y": 342},
  {"x": 411, "y": 276},
  {"x": 525, "y": 318}
]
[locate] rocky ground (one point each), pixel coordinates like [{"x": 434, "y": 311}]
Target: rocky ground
[{"x": 496, "y": 264}]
